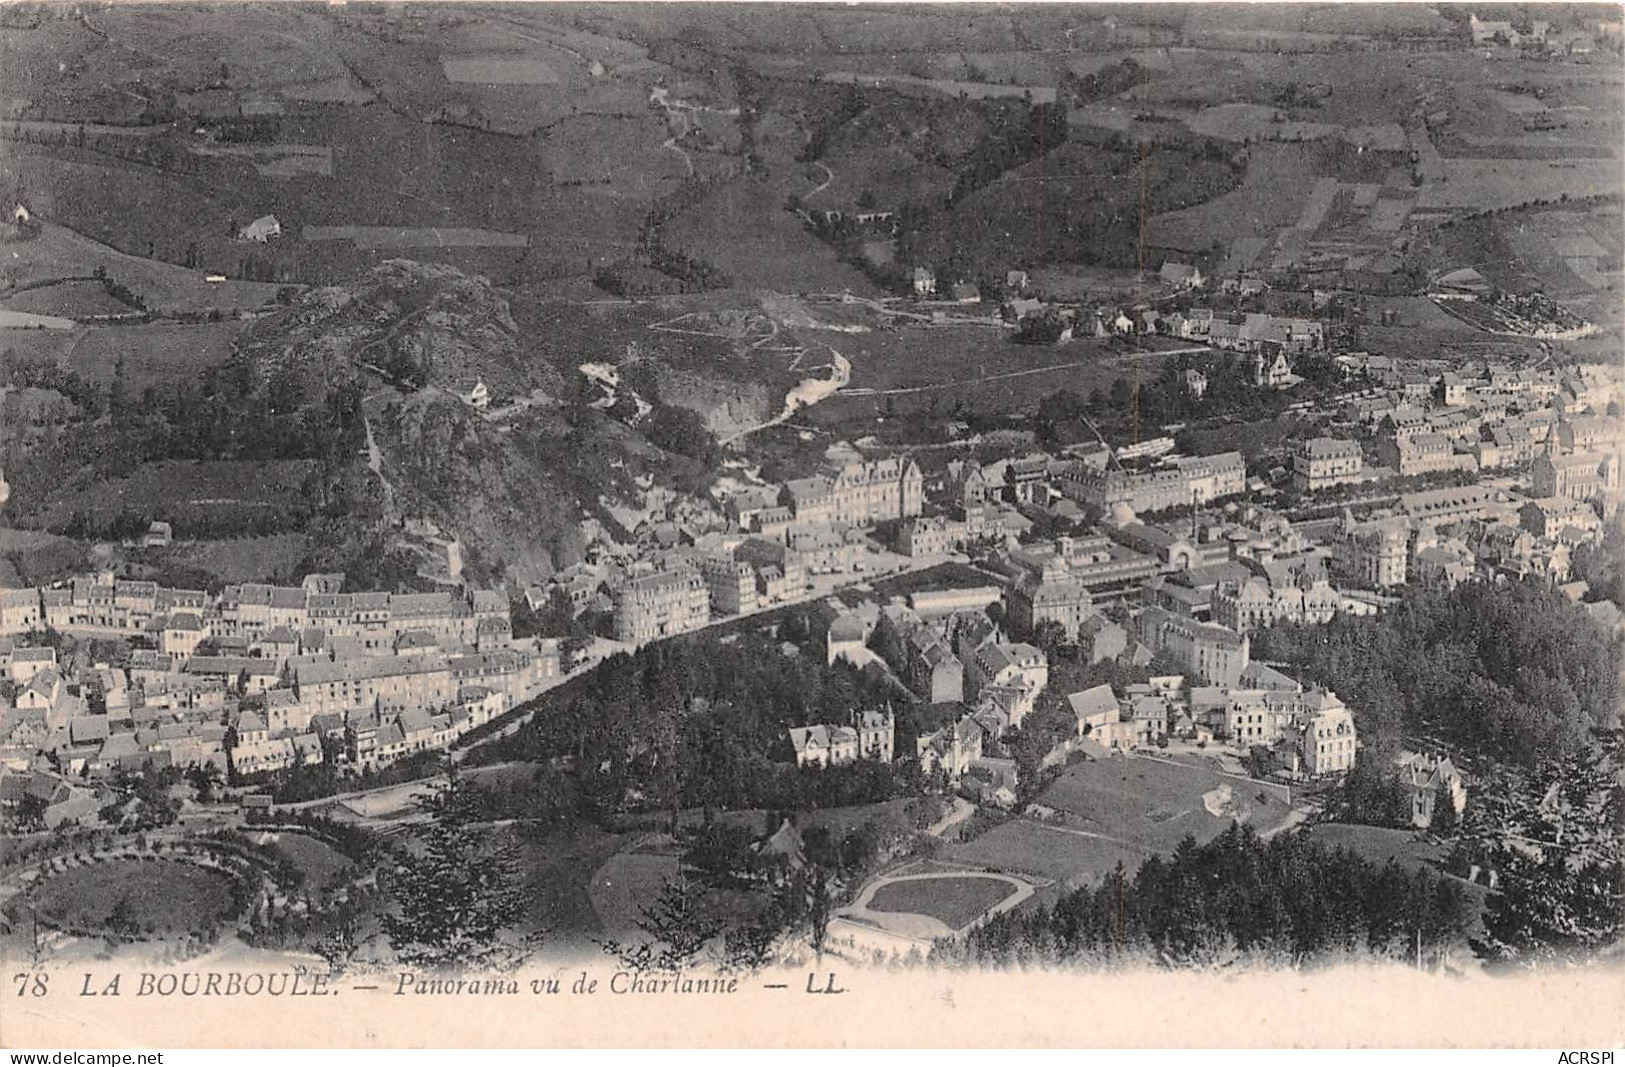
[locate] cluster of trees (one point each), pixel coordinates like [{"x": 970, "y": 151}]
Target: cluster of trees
[
  {"x": 681, "y": 431},
  {"x": 1510, "y": 671},
  {"x": 141, "y": 800},
  {"x": 1018, "y": 131},
  {"x": 556, "y": 618},
  {"x": 247, "y": 129},
  {"x": 1553, "y": 838},
  {"x": 233, "y": 413},
  {"x": 1108, "y": 81},
  {"x": 692, "y": 275},
  {"x": 1286, "y": 901},
  {"x": 1053, "y": 720},
  {"x": 1167, "y": 398},
  {"x": 1602, "y": 565},
  {"x": 699, "y": 723},
  {"x": 849, "y": 102},
  {"x": 1371, "y": 794}
]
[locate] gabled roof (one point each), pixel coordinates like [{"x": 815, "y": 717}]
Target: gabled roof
[{"x": 1098, "y": 700}]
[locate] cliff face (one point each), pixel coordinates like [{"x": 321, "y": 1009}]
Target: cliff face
[
  {"x": 727, "y": 405},
  {"x": 516, "y": 486},
  {"x": 509, "y": 497},
  {"x": 422, "y": 325}
]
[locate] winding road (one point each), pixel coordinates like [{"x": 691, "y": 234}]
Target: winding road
[{"x": 1052, "y": 368}]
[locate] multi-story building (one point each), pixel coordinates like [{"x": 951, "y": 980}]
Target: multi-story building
[
  {"x": 1322, "y": 462},
  {"x": 780, "y": 572},
  {"x": 1019, "y": 668},
  {"x": 858, "y": 493},
  {"x": 660, "y": 605},
  {"x": 251, "y": 609},
  {"x": 1550, "y": 516},
  {"x": 1026, "y": 481},
  {"x": 20, "y": 611},
  {"x": 1051, "y": 595},
  {"x": 1373, "y": 553},
  {"x": 731, "y": 583},
  {"x": 446, "y": 616},
  {"x": 386, "y": 683},
  {"x": 823, "y": 745},
  {"x": 1422, "y": 453},
  {"x": 1328, "y": 741},
  {"x": 513, "y": 675},
  {"x": 869, "y": 737},
  {"x": 953, "y": 748},
  {"x": 1426, "y": 777},
  {"x": 1216, "y": 654},
  {"x": 1179, "y": 483},
  {"x": 1100, "y": 639},
  {"x": 934, "y": 672},
  {"x": 936, "y": 535},
  {"x": 1451, "y": 504},
  {"x": 1257, "y": 716},
  {"x": 1515, "y": 444},
  {"x": 1255, "y": 604},
  {"x": 1596, "y": 433}
]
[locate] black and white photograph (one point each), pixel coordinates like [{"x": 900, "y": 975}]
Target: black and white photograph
[{"x": 649, "y": 513}]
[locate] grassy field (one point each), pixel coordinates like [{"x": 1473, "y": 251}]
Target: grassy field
[
  {"x": 35, "y": 557},
  {"x": 743, "y": 229},
  {"x": 967, "y": 369},
  {"x": 955, "y": 901},
  {"x": 500, "y": 69},
  {"x": 76, "y": 300},
  {"x": 1479, "y": 184},
  {"x": 625, "y": 884},
  {"x": 159, "y": 354},
  {"x": 1025, "y": 846},
  {"x": 323, "y": 865},
  {"x": 1272, "y": 194},
  {"x": 1154, "y": 804},
  {"x": 163, "y": 897},
  {"x": 1380, "y": 844},
  {"x": 415, "y": 236},
  {"x": 558, "y": 873},
  {"x": 59, "y": 253}
]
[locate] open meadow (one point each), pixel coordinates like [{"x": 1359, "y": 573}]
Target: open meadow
[
  {"x": 1154, "y": 803},
  {"x": 1031, "y": 847}
]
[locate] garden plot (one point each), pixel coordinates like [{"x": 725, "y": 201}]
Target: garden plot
[
  {"x": 500, "y": 69},
  {"x": 415, "y": 236},
  {"x": 278, "y": 160}
]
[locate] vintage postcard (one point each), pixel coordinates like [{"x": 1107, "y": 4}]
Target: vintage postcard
[{"x": 811, "y": 524}]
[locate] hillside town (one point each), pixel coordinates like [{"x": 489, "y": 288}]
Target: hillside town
[
  {"x": 732, "y": 491},
  {"x": 1176, "y": 558}
]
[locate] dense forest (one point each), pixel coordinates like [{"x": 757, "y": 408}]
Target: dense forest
[
  {"x": 1511, "y": 672},
  {"x": 1065, "y": 416},
  {"x": 1553, "y": 838},
  {"x": 229, "y": 414},
  {"x": 699, "y": 722},
  {"x": 1285, "y": 901}
]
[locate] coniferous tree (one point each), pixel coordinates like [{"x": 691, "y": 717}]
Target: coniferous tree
[
  {"x": 680, "y": 931},
  {"x": 458, "y": 902},
  {"x": 1554, "y": 843}
]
